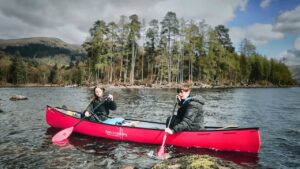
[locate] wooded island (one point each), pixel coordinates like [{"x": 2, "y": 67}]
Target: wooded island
[{"x": 133, "y": 52}]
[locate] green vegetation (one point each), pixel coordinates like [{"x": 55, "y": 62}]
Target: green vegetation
[
  {"x": 163, "y": 52},
  {"x": 19, "y": 71}
]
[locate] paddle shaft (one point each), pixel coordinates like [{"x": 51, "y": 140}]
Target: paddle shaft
[
  {"x": 172, "y": 115},
  {"x": 165, "y": 135},
  {"x": 96, "y": 117},
  {"x": 91, "y": 113}
]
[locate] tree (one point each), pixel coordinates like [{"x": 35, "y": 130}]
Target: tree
[
  {"x": 152, "y": 40},
  {"x": 123, "y": 40},
  {"x": 97, "y": 48},
  {"x": 5, "y": 64},
  {"x": 17, "y": 71},
  {"x": 256, "y": 73},
  {"x": 223, "y": 36},
  {"x": 247, "y": 48},
  {"x": 193, "y": 46},
  {"x": 213, "y": 58},
  {"x": 112, "y": 37},
  {"x": 244, "y": 68},
  {"x": 134, "y": 34},
  {"x": 169, "y": 29},
  {"x": 53, "y": 75},
  {"x": 279, "y": 74}
]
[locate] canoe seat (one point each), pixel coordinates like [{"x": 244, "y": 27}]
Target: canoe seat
[
  {"x": 131, "y": 123},
  {"x": 115, "y": 120}
]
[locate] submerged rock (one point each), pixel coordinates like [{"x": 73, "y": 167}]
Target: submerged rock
[
  {"x": 18, "y": 97},
  {"x": 195, "y": 162}
]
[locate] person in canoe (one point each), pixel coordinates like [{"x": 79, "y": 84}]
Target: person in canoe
[
  {"x": 189, "y": 114},
  {"x": 98, "y": 109}
]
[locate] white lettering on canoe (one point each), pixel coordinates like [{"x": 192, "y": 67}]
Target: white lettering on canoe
[{"x": 116, "y": 133}]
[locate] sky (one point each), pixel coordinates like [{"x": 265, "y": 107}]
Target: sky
[{"x": 273, "y": 26}]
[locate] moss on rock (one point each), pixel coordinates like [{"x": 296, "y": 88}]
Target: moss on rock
[{"x": 195, "y": 162}]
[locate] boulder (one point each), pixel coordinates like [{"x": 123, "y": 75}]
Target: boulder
[
  {"x": 18, "y": 97},
  {"x": 195, "y": 162}
]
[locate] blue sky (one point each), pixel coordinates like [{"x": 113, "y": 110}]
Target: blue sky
[
  {"x": 256, "y": 13},
  {"x": 273, "y": 26}
]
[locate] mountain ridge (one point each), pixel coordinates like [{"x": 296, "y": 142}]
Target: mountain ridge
[{"x": 40, "y": 47}]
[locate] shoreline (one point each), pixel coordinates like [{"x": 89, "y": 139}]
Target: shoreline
[{"x": 153, "y": 86}]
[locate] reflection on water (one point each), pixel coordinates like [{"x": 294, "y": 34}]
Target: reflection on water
[{"x": 25, "y": 140}]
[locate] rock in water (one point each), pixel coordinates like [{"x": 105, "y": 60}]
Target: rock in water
[{"x": 18, "y": 97}]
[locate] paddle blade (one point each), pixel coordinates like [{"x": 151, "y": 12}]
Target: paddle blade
[
  {"x": 161, "y": 152},
  {"x": 62, "y": 135}
]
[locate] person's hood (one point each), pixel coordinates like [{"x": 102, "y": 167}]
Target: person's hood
[{"x": 198, "y": 98}]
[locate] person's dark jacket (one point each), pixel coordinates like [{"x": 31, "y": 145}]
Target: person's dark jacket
[
  {"x": 101, "y": 111},
  {"x": 190, "y": 114}
]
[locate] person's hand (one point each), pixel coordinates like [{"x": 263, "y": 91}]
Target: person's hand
[
  {"x": 169, "y": 131},
  {"x": 110, "y": 97},
  {"x": 178, "y": 98},
  {"x": 87, "y": 114}
]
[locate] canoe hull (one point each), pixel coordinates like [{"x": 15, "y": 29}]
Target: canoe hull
[{"x": 240, "y": 139}]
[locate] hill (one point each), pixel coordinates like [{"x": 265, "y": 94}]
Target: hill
[
  {"x": 42, "y": 48},
  {"x": 295, "y": 71}
]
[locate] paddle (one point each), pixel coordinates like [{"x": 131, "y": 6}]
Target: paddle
[
  {"x": 161, "y": 152},
  {"x": 65, "y": 133}
]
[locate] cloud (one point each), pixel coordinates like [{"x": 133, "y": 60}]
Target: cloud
[
  {"x": 265, "y": 3},
  {"x": 14, "y": 27},
  {"x": 297, "y": 44},
  {"x": 257, "y": 33},
  {"x": 289, "y": 21},
  {"x": 70, "y": 33},
  {"x": 70, "y": 20},
  {"x": 292, "y": 56},
  {"x": 215, "y": 12}
]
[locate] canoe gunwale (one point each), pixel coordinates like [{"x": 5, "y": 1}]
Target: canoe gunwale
[{"x": 213, "y": 128}]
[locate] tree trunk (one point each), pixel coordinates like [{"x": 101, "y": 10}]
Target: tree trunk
[
  {"x": 111, "y": 70},
  {"x": 143, "y": 66},
  {"x": 121, "y": 67},
  {"x": 133, "y": 57},
  {"x": 126, "y": 69}
]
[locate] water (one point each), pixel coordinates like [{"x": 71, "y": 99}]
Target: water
[{"x": 25, "y": 140}]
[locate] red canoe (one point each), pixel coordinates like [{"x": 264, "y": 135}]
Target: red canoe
[{"x": 217, "y": 138}]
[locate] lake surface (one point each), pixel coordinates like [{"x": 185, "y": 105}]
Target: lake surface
[{"x": 25, "y": 140}]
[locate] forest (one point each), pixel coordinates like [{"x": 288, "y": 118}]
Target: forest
[{"x": 170, "y": 51}]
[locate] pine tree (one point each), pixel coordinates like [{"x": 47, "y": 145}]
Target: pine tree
[
  {"x": 53, "y": 75},
  {"x": 17, "y": 71},
  {"x": 169, "y": 30},
  {"x": 134, "y": 35},
  {"x": 223, "y": 36}
]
